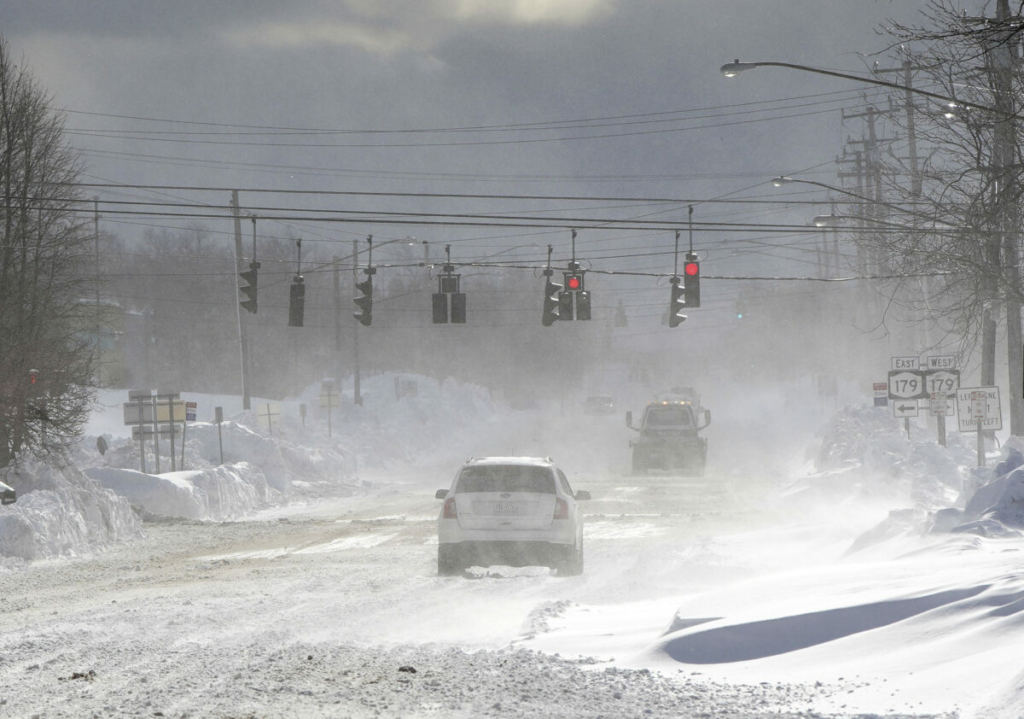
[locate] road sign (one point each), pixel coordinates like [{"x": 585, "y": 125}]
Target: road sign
[
  {"x": 942, "y": 382},
  {"x": 899, "y": 363},
  {"x": 941, "y": 405},
  {"x": 941, "y": 362},
  {"x": 974, "y": 404},
  {"x": 267, "y": 415},
  {"x": 190, "y": 411},
  {"x": 904, "y": 408},
  {"x": 135, "y": 413},
  {"x": 907, "y": 384},
  {"x": 147, "y": 431},
  {"x": 881, "y": 394}
]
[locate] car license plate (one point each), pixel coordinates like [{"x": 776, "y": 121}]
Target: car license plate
[{"x": 506, "y": 508}]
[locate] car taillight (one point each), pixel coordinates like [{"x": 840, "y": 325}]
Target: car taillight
[
  {"x": 561, "y": 508},
  {"x": 449, "y": 509}
]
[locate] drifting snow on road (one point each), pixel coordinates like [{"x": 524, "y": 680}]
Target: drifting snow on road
[{"x": 762, "y": 589}]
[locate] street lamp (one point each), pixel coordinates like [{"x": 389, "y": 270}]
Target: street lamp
[
  {"x": 1002, "y": 152},
  {"x": 734, "y": 68},
  {"x": 783, "y": 180}
]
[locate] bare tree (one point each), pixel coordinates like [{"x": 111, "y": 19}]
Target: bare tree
[
  {"x": 46, "y": 357},
  {"x": 964, "y": 228}
]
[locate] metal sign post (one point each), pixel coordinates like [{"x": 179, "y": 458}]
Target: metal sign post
[
  {"x": 218, "y": 413},
  {"x": 942, "y": 381},
  {"x": 135, "y": 414},
  {"x": 161, "y": 400},
  {"x": 190, "y": 416}
]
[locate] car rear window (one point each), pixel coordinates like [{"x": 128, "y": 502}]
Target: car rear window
[{"x": 506, "y": 478}]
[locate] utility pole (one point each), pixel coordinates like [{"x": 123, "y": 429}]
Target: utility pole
[
  {"x": 869, "y": 167},
  {"x": 357, "y": 398},
  {"x": 1004, "y": 153},
  {"x": 336, "y": 274},
  {"x": 907, "y": 69},
  {"x": 99, "y": 315},
  {"x": 243, "y": 338}
]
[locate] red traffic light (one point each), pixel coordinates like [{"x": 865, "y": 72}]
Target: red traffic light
[
  {"x": 692, "y": 268},
  {"x": 574, "y": 283}
]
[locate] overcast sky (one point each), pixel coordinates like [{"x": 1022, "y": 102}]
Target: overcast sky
[{"x": 643, "y": 75}]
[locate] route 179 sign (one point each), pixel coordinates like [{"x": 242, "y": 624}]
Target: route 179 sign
[{"x": 907, "y": 384}]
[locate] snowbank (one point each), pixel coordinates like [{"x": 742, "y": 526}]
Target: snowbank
[
  {"x": 64, "y": 511},
  {"x": 866, "y": 453},
  {"x": 224, "y": 492},
  {"x": 61, "y": 511}
]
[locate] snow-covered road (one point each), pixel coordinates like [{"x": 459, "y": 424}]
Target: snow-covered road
[{"x": 334, "y": 609}]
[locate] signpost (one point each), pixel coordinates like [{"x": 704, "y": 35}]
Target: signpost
[
  {"x": 978, "y": 409},
  {"x": 881, "y": 390},
  {"x": 190, "y": 416},
  {"x": 266, "y": 414},
  {"x": 218, "y": 417},
  {"x": 937, "y": 383},
  {"x": 167, "y": 407},
  {"x": 906, "y": 383},
  {"x": 138, "y": 411},
  {"x": 329, "y": 400},
  {"x": 942, "y": 382}
]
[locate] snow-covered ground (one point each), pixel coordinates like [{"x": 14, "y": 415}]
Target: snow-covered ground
[{"x": 871, "y": 575}]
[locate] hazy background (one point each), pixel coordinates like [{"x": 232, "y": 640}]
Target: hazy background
[{"x": 579, "y": 98}]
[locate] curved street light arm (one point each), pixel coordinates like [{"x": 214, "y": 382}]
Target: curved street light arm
[
  {"x": 783, "y": 180},
  {"x": 732, "y": 69}
]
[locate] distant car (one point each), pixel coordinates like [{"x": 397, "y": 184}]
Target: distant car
[
  {"x": 599, "y": 404},
  {"x": 7, "y": 494},
  {"x": 517, "y": 511}
]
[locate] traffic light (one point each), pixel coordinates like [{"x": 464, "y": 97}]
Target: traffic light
[
  {"x": 296, "y": 302},
  {"x": 250, "y": 290},
  {"x": 676, "y": 305},
  {"x": 574, "y": 281},
  {"x": 448, "y": 286},
  {"x": 439, "y": 308},
  {"x": 583, "y": 305},
  {"x": 691, "y": 283},
  {"x": 365, "y": 301},
  {"x": 458, "y": 308},
  {"x": 565, "y": 305},
  {"x": 551, "y": 301}
]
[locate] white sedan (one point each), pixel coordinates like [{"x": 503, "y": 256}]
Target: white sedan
[{"x": 515, "y": 511}]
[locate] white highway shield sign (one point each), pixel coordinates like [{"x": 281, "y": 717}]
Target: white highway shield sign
[
  {"x": 907, "y": 384},
  {"x": 945, "y": 382}
]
